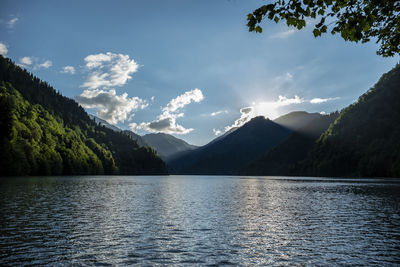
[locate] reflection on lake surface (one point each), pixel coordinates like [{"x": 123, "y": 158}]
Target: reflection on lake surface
[{"x": 199, "y": 220}]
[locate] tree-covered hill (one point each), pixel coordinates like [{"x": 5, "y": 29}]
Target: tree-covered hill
[
  {"x": 365, "y": 139},
  {"x": 45, "y": 133}
]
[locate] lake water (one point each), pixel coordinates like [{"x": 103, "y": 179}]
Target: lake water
[{"x": 199, "y": 220}]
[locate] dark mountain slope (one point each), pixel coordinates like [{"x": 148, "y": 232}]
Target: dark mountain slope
[
  {"x": 167, "y": 145},
  {"x": 282, "y": 159},
  {"x": 45, "y": 133},
  {"x": 296, "y": 120},
  {"x": 364, "y": 141},
  {"x": 237, "y": 149},
  {"x": 139, "y": 139}
]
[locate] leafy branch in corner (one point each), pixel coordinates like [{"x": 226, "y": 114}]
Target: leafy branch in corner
[{"x": 354, "y": 20}]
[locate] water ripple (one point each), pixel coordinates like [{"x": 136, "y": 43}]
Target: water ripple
[{"x": 199, "y": 221}]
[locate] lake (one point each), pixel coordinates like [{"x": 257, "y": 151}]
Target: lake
[{"x": 199, "y": 220}]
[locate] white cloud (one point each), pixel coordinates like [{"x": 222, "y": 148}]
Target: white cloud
[
  {"x": 3, "y": 49},
  {"x": 322, "y": 100},
  {"x": 217, "y": 132},
  {"x": 108, "y": 70},
  {"x": 25, "y": 61},
  {"x": 218, "y": 112},
  {"x": 166, "y": 122},
  {"x": 110, "y": 107},
  {"x": 179, "y": 102},
  {"x": 45, "y": 64},
  {"x": 284, "y": 101},
  {"x": 68, "y": 69},
  {"x": 322, "y": 113},
  {"x": 246, "y": 114},
  {"x": 283, "y": 34},
  {"x": 11, "y": 23}
]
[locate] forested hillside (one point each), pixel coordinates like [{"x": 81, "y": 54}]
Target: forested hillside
[
  {"x": 45, "y": 133},
  {"x": 365, "y": 139}
]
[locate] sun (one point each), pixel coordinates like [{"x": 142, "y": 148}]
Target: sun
[{"x": 267, "y": 109}]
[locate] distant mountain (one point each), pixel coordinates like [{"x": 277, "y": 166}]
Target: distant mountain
[
  {"x": 166, "y": 145},
  {"x": 282, "y": 159},
  {"x": 297, "y": 119},
  {"x": 104, "y": 123},
  {"x": 364, "y": 141},
  {"x": 237, "y": 149},
  {"x": 45, "y": 133},
  {"x": 139, "y": 139}
]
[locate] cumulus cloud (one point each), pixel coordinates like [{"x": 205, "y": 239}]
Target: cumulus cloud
[
  {"x": 217, "y": 132},
  {"x": 45, "y": 64},
  {"x": 283, "y": 34},
  {"x": 111, "y": 107},
  {"x": 11, "y": 23},
  {"x": 218, "y": 112},
  {"x": 108, "y": 70},
  {"x": 179, "y": 102},
  {"x": 322, "y": 100},
  {"x": 68, "y": 69},
  {"x": 25, "y": 61},
  {"x": 246, "y": 114},
  {"x": 166, "y": 121},
  {"x": 3, "y": 49}
]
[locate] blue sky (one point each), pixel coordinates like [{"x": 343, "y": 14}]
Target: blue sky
[{"x": 189, "y": 68}]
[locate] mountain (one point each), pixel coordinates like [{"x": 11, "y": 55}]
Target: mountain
[
  {"x": 364, "y": 141},
  {"x": 166, "y": 145},
  {"x": 297, "y": 119},
  {"x": 282, "y": 159},
  {"x": 45, "y": 133},
  {"x": 226, "y": 156},
  {"x": 104, "y": 123},
  {"x": 139, "y": 139}
]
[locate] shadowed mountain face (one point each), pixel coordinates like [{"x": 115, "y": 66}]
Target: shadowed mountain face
[
  {"x": 365, "y": 139},
  {"x": 297, "y": 120},
  {"x": 282, "y": 159},
  {"x": 167, "y": 145},
  {"x": 229, "y": 154}
]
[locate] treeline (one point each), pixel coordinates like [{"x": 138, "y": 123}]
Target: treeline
[{"x": 45, "y": 133}]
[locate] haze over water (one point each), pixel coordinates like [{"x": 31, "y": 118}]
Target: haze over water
[{"x": 199, "y": 220}]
